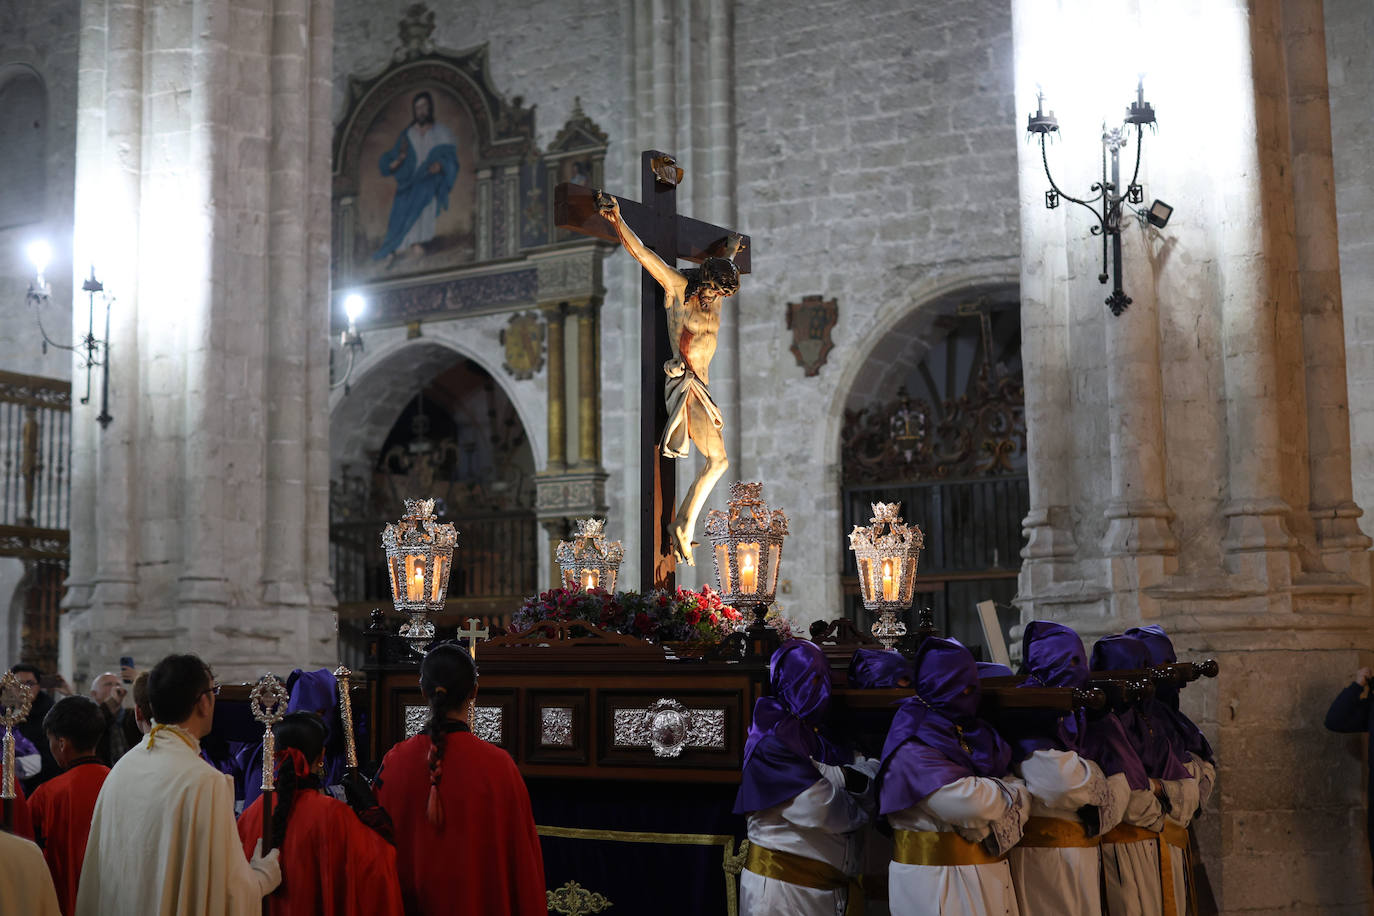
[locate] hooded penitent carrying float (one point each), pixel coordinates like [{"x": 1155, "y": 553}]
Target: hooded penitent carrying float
[
  {"x": 943, "y": 788},
  {"x": 1145, "y": 859},
  {"x": 1080, "y": 769},
  {"x": 804, "y": 822}
]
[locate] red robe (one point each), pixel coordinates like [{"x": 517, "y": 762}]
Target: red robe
[
  {"x": 485, "y": 860},
  {"x": 331, "y": 863},
  {"x": 17, "y": 811},
  {"x": 62, "y": 809}
]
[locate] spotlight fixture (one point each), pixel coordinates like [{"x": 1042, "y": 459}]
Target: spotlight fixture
[{"x": 1159, "y": 213}]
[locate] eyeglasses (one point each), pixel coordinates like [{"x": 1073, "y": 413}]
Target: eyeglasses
[{"x": 214, "y": 689}]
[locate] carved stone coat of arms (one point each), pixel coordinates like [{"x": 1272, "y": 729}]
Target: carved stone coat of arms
[
  {"x": 523, "y": 339},
  {"x": 810, "y": 322}
]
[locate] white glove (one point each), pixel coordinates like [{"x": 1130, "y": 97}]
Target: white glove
[
  {"x": 869, "y": 766},
  {"x": 29, "y": 765},
  {"x": 266, "y": 869}
]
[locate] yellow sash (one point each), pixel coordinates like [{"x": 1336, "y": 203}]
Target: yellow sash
[
  {"x": 927, "y": 847},
  {"x": 1172, "y": 836},
  {"x": 799, "y": 870},
  {"x": 1055, "y": 832}
]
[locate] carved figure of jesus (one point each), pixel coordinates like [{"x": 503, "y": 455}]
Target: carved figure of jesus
[{"x": 693, "y": 300}]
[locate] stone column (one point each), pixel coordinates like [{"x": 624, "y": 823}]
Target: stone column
[
  {"x": 556, "y": 315},
  {"x": 588, "y": 385},
  {"x": 203, "y": 498},
  {"x": 101, "y": 588},
  {"x": 557, "y": 530},
  {"x": 1343, "y": 546},
  {"x": 1255, "y": 265},
  {"x": 1048, "y": 527},
  {"x": 1140, "y": 547}
]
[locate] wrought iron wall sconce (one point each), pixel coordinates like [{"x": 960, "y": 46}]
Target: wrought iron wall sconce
[
  {"x": 93, "y": 351},
  {"x": 1107, "y": 201}
]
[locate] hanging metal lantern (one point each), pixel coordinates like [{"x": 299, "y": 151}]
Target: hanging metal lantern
[
  {"x": 589, "y": 560},
  {"x": 887, "y": 552},
  {"x": 747, "y": 538},
  {"x": 419, "y": 555}
]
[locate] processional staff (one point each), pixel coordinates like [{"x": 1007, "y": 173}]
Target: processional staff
[
  {"x": 16, "y": 699},
  {"x": 268, "y": 702},
  {"x": 342, "y": 675}
]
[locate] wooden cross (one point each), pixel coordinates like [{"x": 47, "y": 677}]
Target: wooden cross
[
  {"x": 670, "y": 236},
  {"x": 472, "y": 634}
]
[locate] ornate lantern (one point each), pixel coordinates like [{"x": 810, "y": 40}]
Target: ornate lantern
[
  {"x": 419, "y": 554},
  {"x": 887, "y": 552},
  {"x": 590, "y": 561},
  {"x": 747, "y": 542}
]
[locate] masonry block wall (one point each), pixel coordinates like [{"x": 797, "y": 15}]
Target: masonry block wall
[{"x": 37, "y": 85}]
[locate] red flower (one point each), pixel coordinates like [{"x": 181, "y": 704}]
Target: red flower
[
  {"x": 693, "y": 617},
  {"x": 642, "y": 623}
]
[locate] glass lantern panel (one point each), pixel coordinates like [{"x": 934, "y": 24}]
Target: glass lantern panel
[
  {"x": 890, "y": 579},
  {"x": 723, "y": 581},
  {"x": 436, "y": 586},
  {"x": 908, "y": 579},
  {"x": 774, "y": 559},
  {"x": 748, "y": 558},
  {"x": 610, "y": 580},
  {"x": 393, "y": 568},
  {"x": 591, "y": 578},
  {"x": 866, "y": 578},
  {"x": 415, "y": 577}
]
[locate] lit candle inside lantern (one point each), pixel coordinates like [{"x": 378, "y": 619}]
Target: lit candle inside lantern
[
  {"x": 415, "y": 588},
  {"x": 748, "y": 573},
  {"x": 590, "y": 578},
  {"x": 889, "y": 583}
]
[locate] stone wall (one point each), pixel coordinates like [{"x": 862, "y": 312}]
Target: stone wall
[
  {"x": 1192, "y": 464},
  {"x": 876, "y": 161},
  {"x": 37, "y": 41}
]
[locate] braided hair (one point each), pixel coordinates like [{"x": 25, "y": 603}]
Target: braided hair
[
  {"x": 300, "y": 741},
  {"x": 448, "y": 677}
]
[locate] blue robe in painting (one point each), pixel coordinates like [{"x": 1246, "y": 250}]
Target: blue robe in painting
[{"x": 416, "y": 187}]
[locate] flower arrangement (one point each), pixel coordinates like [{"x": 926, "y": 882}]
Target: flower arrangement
[{"x": 682, "y": 616}]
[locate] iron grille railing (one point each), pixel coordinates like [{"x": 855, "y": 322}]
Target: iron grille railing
[
  {"x": 972, "y": 545},
  {"x": 35, "y": 466},
  {"x": 496, "y": 557}
]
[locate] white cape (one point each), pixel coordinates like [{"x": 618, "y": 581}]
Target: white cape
[
  {"x": 25, "y": 883},
  {"x": 163, "y": 840}
]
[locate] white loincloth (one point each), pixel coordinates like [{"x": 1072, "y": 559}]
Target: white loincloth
[{"x": 681, "y": 388}]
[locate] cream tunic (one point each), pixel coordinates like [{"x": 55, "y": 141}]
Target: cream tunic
[
  {"x": 1065, "y": 880},
  {"x": 163, "y": 839},
  {"x": 981, "y": 809},
  {"x": 25, "y": 883},
  {"x": 1131, "y": 870},
  {"x": 825, "y": 822}
]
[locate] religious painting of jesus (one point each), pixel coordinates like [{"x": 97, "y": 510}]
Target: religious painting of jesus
[{"x": 416, "y": 185}]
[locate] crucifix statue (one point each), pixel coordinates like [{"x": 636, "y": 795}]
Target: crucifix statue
[{"x": 680, "y": 320}]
